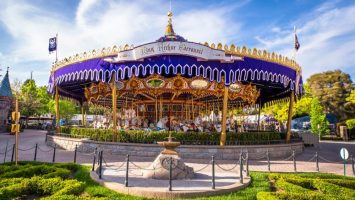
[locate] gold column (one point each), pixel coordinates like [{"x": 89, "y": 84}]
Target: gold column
[
  {"x": 57, "y": 115},
  {"x": 289, "y": 120},
  {"x": 114, "y": 111},
  {"x": 82, "y": 114},
  {"x": 224, "y": 117}
]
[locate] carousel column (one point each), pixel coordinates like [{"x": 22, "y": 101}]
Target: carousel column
[
  {"x": 224, "y": 117},
  {"x": 57, "y": 115},
  {"x": 114, "y": 111},
  {"x": 289, "y": 120},
  {"x": 82, "y": 114}
]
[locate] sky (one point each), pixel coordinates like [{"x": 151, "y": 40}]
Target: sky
[{"x": 325, "y": 29}]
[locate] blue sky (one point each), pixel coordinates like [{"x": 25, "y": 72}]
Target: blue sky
[{"x": 326, "y": 29}]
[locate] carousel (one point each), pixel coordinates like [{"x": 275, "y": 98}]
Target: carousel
[{"x": 173, "y": 84}]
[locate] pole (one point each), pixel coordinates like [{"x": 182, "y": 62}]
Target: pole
[
  {"x": 56, "y": 50},
  {"x": 16, "y": 131},
  {"x": 344, "y": 162},
  {"x": 294, "y": 160},
  {"x": 100, "y": 166},
  {"x": 114, "y": 111},
  {"x": 76, "y": 149},
  {"x": 241, "y": 167},
  {"x": 268, "y": 160},
  {"x": 57, "y": 115},
  {"x": 35, "y": 157},
  {"x": 259, "y": 114},
  {"x": 170, "y": 173},
  {"x": 94, "y": 160},
  {"x": 127, "y": 169},
  {"x": 213, "y": 174},
  {"x": 224, "y": 117},
  {"x": 247, "y": 163},
  {"x": 7, "y": 143},
  {"x": 13, "y": 152},
  {"x": 82, "y": 115},
  {"x": 317, "y": 162},
  {"x": 352, "y": 163},
  {"x": 54, "y": 150},
  {"x": 289, "y": 120}
]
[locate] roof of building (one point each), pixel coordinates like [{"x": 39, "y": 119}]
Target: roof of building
[{"x": 5, "y": 88}]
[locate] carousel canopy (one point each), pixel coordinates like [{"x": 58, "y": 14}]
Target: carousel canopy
[{"x": 273, "y": 75}]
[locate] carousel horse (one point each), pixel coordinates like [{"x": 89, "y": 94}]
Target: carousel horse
[{"x": 161, "y": 125}]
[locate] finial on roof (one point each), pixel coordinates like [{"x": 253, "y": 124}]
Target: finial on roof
[{"x": 169, "y": 31}]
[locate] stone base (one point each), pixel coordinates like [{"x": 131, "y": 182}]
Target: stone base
[{"x": 159, "y": 169}]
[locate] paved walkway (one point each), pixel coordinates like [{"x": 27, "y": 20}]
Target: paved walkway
[{"x": 329, "y": 160}]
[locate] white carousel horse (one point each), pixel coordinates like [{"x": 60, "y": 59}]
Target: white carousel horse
[{"x": 162, "y": 123}]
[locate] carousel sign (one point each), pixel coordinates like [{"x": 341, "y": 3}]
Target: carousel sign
[{"x": 173, "y": 48}]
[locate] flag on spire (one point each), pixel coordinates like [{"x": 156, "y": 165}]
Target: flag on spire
[{"x": 297, "y": 44}]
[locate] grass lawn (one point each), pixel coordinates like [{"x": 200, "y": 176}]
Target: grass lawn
[{"x": 35, "y": 180}]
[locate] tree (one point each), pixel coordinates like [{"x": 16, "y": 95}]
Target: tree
[
  {"x": 67, "y": 109},
  {"x": 319, "y": 123},
  {"x": 29, "y": 104},
  {"x": 351, "y": 98},
  {"x": 43, "y": 98},
  {"x": 332, "y": 88}
]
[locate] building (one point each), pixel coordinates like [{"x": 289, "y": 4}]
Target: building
[{"x": 5, "y": 101}]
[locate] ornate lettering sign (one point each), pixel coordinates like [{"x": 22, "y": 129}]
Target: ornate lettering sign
[{"x": 173, "y": 48}]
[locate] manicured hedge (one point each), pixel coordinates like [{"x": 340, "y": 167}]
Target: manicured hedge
[
  {"x": 138, "y": 136},
  {"x": 50, "y": 181},
  {"x": 310, "y": 186}
]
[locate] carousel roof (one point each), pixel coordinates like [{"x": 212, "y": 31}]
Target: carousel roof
[{"x": 170, "y": 55}]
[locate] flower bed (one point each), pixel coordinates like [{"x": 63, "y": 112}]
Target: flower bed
[{"x": 138, "y": 136}]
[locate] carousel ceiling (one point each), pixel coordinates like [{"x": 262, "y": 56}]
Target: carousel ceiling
[{"x": 156, "y": 85}]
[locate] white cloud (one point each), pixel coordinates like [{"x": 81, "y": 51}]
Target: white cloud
[
  {"x": 98, "y": 24},
  {"x": 327, "y": 40}
]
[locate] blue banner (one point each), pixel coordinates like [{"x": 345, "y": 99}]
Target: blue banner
[{"x": 52, "y": 44}]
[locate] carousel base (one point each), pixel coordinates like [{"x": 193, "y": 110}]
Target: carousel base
[{"x": 159, "y": 169}]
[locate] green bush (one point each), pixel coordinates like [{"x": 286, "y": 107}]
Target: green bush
[
  {"x": 350, "y": 123},
  {"x": 140, "y": 136},
  {"x": 302, "y": 186}
]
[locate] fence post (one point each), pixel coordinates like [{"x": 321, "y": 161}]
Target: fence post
[
  {"x": 127, "y": 169},
  {"x": 54, "y": 151},
  {"x": 294, "y": 160},
  {"x": 76, "y": 149},
  {"x": 268, "y": 160},
  {"x": 247, "y": 163},
  {"x": 170, "y": 173},
  {"x": 13, "y": 152},
  {"x": 213, "y": 173},
  {"x": 35, "y": 157},
  {"x": 5, "y": 151},
  {"x": 100, "y": 166},
  {"x": 352, "y": 164},
  {"x": 241, "y": 167},
  {"x": 94, "y": 160},
  {"x": 317, "y": 162}
]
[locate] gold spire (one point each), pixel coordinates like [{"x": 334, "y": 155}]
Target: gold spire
[{"x": 169, "y": 31}]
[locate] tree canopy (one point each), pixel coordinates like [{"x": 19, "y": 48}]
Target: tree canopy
[{"x": 332, "y": 89}]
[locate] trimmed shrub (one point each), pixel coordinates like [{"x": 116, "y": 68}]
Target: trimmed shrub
[{"x": 140, "y": 136}]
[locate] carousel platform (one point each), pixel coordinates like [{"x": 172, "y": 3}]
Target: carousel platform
[{"x": 228, "y": 152}]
